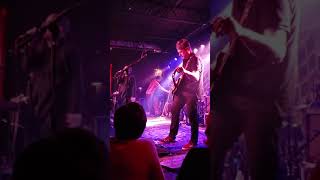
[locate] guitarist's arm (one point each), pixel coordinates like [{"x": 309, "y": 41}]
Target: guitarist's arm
[
  {"x": 162, "y": 88},
  {"x": 193, "y": 74},
  {"x": 272, "y": 42},
  {"x": 196, "y": 70}
]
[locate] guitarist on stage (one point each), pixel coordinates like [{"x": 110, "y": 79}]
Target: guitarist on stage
[
  {"x": 257, "y": 85},
  {"x": 186, "y": 92}
]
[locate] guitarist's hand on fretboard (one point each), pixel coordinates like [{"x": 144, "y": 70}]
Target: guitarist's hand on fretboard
[{"x": 226, "y": 26}]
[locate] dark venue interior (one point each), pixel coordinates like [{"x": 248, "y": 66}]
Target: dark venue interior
[
  {"x": 88, "y": 32},
  {"x": 159, "y": 89}
]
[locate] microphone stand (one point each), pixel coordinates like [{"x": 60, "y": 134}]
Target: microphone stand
[{"x": 121, "y": 72}]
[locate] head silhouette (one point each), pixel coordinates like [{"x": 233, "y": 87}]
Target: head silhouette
[
  {"x": 72, "y": 154},
  {"x": 129, "y": 121}
]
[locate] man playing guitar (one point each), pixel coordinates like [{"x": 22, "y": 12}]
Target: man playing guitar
[
  {"x": 186, "y": 92},
  {"x": 257, "y": 84}
]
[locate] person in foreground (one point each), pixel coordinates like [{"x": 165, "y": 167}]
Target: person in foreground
[
  {"x": 257, "y": 85},
  {"x": 133, "y": 157},
  {"x": 70, "y": 154}
]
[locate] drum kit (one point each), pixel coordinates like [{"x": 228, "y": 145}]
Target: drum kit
[{"x": 203, "y": 109}]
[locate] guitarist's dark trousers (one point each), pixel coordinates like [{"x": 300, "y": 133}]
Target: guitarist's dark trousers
[
  {"x": 258, "y": 121},
  {"x": 190, "y": 100}
]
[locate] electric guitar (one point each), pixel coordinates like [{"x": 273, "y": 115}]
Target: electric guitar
[
  {"x": 177, "y": 83},
  {"x": 224, "y": 56}
]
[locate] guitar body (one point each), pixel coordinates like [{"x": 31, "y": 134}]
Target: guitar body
[{"x": 176, "y": 84}]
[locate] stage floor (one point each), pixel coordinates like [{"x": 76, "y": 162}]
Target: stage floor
[{"x": 171, "y": 155}]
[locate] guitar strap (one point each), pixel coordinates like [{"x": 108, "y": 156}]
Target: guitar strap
[
  {"x": 188, "y": 63},
  {"x": 245, "y": 14},
  {"x": 246, "y": 11}
]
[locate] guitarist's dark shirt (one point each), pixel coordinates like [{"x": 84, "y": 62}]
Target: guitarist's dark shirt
[
  {"x": 256, "y": 74},
  {"x": 188, "y": 83},
  {"x": 127, "y": 87}
]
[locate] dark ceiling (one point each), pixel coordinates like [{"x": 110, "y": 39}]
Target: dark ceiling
[{"x": 157, "y": 22}]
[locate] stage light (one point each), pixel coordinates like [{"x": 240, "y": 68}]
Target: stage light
[
  {"x": 176, "y": 59},
  {"x": 169, "y": 67},
  {"x": 202, "y": 46},
  {"x": 140, "y": 88},
  {"x": 195, "y": 50}
]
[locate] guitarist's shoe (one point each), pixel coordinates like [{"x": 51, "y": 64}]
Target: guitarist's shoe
[
  {"x": 167, "y": 139},
  {"x": 189, "y": 146}
]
